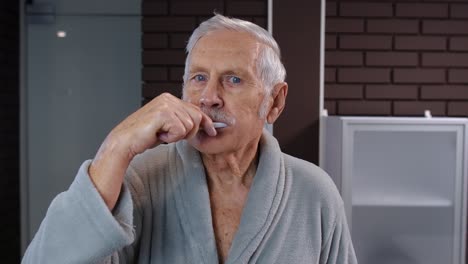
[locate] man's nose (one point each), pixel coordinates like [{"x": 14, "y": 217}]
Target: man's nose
[{"x": 210, "y": 96}]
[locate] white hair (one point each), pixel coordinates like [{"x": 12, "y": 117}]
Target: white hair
[{"x": 270, "y": 70}]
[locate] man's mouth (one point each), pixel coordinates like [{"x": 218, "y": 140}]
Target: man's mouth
[
  {"x": 217, "y": 125},
  {"x": 220, "y": 118}
]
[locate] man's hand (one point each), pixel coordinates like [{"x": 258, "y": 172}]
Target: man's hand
[{"x": 165, "y": 119}]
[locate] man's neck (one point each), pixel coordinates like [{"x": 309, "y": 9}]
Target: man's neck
[{"x": 230, "y": 171}]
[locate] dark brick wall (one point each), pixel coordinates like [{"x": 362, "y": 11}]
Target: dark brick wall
[
  {"x": 167, "y": 25},
  {"x": 396, "y": 57},
  {"x": 9, "y": 132}
]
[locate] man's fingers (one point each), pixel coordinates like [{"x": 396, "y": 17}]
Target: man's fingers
[
  {"x": 203, "y": 121},
  {"x": 164, "y": 137},
  {"x": 191, "y": 121},
  {"x": 173, "y": 130},
  {"x": 207, "y": 125},
  {"x": 181, "y": 120}
]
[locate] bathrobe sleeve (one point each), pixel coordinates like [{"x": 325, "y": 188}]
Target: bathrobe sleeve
[
  {"x": 79, "y": 228},
  {"x": 338, "y": 247}
]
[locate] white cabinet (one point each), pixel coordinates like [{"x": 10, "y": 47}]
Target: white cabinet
[{"x": 403, "y": 182}]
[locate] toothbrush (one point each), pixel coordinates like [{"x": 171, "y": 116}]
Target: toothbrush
[{"x": 219, "y": 124}]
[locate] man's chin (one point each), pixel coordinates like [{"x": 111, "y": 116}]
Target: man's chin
[{"x": 207, "y": 144}]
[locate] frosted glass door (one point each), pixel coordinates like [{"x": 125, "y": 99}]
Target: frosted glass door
[
  {"x": 79, "y": 87},
  {"x": 403, "y": 190}
]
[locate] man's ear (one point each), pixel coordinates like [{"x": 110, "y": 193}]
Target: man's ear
[{"x": 279, "y": 93}]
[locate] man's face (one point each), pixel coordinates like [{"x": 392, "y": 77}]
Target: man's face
[{"x": 223, "y": 82}]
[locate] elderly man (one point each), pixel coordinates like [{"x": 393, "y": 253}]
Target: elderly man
[{"x": 221, "y": 191}]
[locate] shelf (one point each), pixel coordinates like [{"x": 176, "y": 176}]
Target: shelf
[
  {"x": 403, "y": 185},
  {"x": 396, "y": 201}
]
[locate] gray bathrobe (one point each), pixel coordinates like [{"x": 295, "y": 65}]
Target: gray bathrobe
[{"x": 293, "y": 214}]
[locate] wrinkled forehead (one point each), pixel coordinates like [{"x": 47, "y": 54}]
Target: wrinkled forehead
[
  {"x": 228, "y": 38},
  {"x": 227, "y": 46}
]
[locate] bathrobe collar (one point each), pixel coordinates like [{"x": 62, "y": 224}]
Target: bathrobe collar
[{"x": 193, "y": 201}]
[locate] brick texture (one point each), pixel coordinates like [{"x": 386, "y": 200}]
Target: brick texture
[
  {"x": 392, "y": 92},
  {"x": 331, "y": 107},
  {"x": 364, "y": 107},
  {"x": 365, "y": 9},
  {"x": 155, "y": 8},
  {"x": 363, "y": 75},
  {"x": 419, "y": 76},
  {"x": 155, "y": 41},
  {"x": 421, "y": 10},
  {"x": 417, "y": 108},
  {"x": 167, "y": 25},
  {"x": 9, "y": 132},
  {"x": 163, "y": 57},
  {"x": 445, "y": 59},
  {"x": 458, "y": 76},
  {"x": 449, "y": 92},
  {"x": 458, "y": 108},
  {"x": 344, "y": 91},
  {"x": 154, "y": 74},
  {"x": 459, "y": 10},
  {"x": 392, "y": 59},
  {"x": 459, "y": 43},
  {"x": 342, "y": 25},
  {"x": 331, "y": 9},
  {"x": 396, "y": 57},
  {"x": 192, "y": 8},
  {"x": 331, "y": 42},
  {"x": 445, "y": 27},
  {"x": 365, "y": 42},
  {"x": 393, "y": 26},
  {"x": 420, "y": 43},
  {"x": 330, "y": 75},
  {"x": 343, "y": 58}
]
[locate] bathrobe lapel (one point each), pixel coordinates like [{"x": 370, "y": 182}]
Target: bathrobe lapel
[
  {"x": 193, "y": 202},
  {"x": 262, "y": 204}
]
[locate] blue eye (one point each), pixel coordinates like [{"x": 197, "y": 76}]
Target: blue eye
[
  {"x": 235, "y": 79},
  {"x": 200, "y": 78}
]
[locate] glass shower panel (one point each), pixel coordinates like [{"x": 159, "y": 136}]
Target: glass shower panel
[
  {"x": 403, "y": 191},
  {"x": 83, "y": 77}
]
